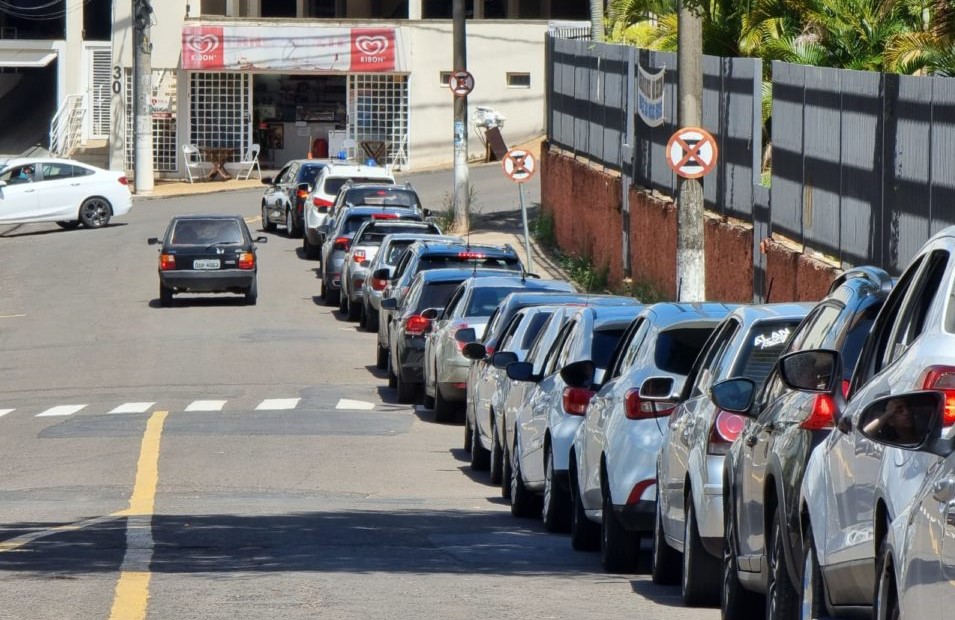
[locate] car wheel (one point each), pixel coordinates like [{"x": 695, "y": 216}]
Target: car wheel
[
  {"x": 95, "y": 212},
  {"x": 331, "y": 296},
  {"x": 382, "y": 361},
  {"x": 68, "y": 224},
  {"x": 701, "y": 571},
  {"x": 290, "y": 228},
  {"x": 352, "y": 310},
  {"x": 252, "y": 293},
  {"x": 780, "y": 593},
  {"x": 406, "y": 391},
  {"x": 342, "y": 301},
  {"x": 813, "y": 603},
  {"x": 311, "y": 251},
  {"x": 618, "y": 547},
  {"x": 495, "y": 470},
  {"x": 887, "y": 594},
  {"x": 556, "y": 510},
  {"x": 362, "y": 317},
  {"x": 267, "y": 226},
  {"x": 371, "y": 320},
  {"x": 584, "y": 533},
  {"x": 505, "y": 472},
  {"x": 480, "y": 456},
  {"x": 392, "y": 378},
  {"x": 468, "y": 436},
  {"x": 666, "y": 560},
  {"x": 524, "y": 504},
  {"x": 736, "y": 602},
  {"x": 443, "y": 410},
  {"x": 165, "y": 295}
]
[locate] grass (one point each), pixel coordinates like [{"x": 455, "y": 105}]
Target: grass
[{"x": 444, "y": 218}]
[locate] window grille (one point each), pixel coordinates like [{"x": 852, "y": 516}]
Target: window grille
[
  {"x": 100, "y": 95},
  {"x": 220, "y": 113},
  {"x": 378, "y": 112},
  {"x": 165, "y": 143}
]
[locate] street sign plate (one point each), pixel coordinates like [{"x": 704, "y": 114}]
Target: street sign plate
[
  {"x": 692, "y": 152},
  {"x": 519, "y": 165},
  {"x": 461, "y": 83}
]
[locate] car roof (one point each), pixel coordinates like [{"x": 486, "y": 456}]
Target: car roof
[
  {"x": 19, "y": 161},
  {"x": 366, "y": 210},
  {"x": 749, "y": 314},
  {"x": 414, "y": 237},
  {"x": 409, "y": 224},
  {"x": 669, "y": 312},
  {"x": 427, "y": 245},
  {"x": 211, "y": 216},
  {"x": 528, "y": 298},
  {"x": 337, "y": 167},
  {"x": 503, "y": 281},
  {"x": 454, "y": 273}
]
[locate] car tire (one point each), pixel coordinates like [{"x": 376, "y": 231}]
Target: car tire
[
  {"x": 468, "y": 436},
  {"x": 886, "y": 593},
  {"x": 505, "y": 472},
  {"x": 267, "y": 226},
  {"x": 68, "y": 224},
  {"x": 381, "y": 363},
  {"x": 406, "y": 391},
  {"x": 342, "y": 301},
  {"x": 311, "y": 251},
  {"x": 480, "y": 456},
  {"x": 352, "y": 310},
  {"x": 331, "y": 295},
  {"x": 813, "y": 597},
  {"x": 443, "y": 410},
  {"x": 584, "y": 533},
  {"x": 165, "y": 295},
  {"x": 426, "y": 401},
  {"x": 666, "y": 561},
  {"x": 618, "y": 546},
  {"x": 496, "y": 467},
  {"x": 95, "y": 212},
  {"x": 362, "y": 317},
  {"x": 781, "y": 597},
  {"x": 556, "y": 502},
  {"x": 252, "y": 293},
  {"x": 700, "y": 585},
  {"x": 392, "y": 377},
  {"x": 291, "y": 230},
  {"x": 371, "y": 320},
  {"x": 736, "y": 602},
  {"x": 524, "y": 504}
]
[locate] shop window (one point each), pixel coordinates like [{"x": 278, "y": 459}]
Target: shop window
[
  {"x": 165, "y": 154},
  {"x": 443, "y": 78},
  {"x": 378, "y": 116},
  {"x": 518, "y": 80},
  {"x": 219, "y": 111}
]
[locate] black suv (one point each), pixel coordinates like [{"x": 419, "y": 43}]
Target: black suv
[
  {"x": 765, "y": 466},
  {"x": 284, "y": 199}
]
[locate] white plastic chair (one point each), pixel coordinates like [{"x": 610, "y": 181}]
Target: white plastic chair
[
  {"x": 193, "y": 158},
  {"x": 251, "y": 160}
]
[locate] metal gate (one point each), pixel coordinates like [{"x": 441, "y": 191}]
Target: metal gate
[{"x": 378, "y": 111}]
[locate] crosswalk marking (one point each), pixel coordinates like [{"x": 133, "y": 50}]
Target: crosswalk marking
[
  {"x": 355, "y": 405},
  {"x": 133, "y": 408},
  {"x": 60, "y": 410},
  {"x": 206, "y": 405},
  {"x": 276, "y": 404},
  {"x": 4, "y": 412}
]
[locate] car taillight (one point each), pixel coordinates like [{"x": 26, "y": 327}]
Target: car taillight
[
  {"x": 489, "y": 350},
  {"x": 822, "y": 416},
  {"x": 471, "y": 255},
  {"x": 458, "y": 341},
  {"x": 378, "y": 284},
  {"x": 726, "y": 429},
  {"x": 167, "y": 262},
  {"x": 636, "y": 408},
  {"x": 576, "y": 400},
  {"x": 246, "y": 260},
  {"x": 636, "y": 494},
  {"x": 358, "y": 256},
  {"x": 942, "y": 378},
  {"x": 416, "y": 324},
  {"x": 123, "y": 180},
  {"x": 341, "y": 243},
  {"x": 384, "y": 216},
  {"x": 319, "y": 202},
  {"x": 301, "y": 194}
]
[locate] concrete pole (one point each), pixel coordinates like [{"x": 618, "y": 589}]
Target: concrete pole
[
  {"x": 462, "y": 196},
  {"x": 690, "y": 267},
  {"x": 142, "y": 98},
  {"x": 414, "y": 9}
]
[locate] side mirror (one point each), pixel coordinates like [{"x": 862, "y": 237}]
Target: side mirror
[
  {"x": 465, "y": 335},
  {"x": 426, "y": 212},
  {"x": 658, "y": 389},
  {"x": 520, "y": 371},
  {"x": 323, "y": 209},
  {"x": 734, "y": 395},
  {"x": 304, "y": 187},
  {"x": 911, "y": 421},
  {"x": 389, "y": 304},
  {"x": 381, "y": 274},
  {"x": 261, "y": 239},
  {"x": 432, "y": 313},
  {"x": 474, "y": 351},
  {"x": 502, "y": 358},
  {"x": 267, "y": 181},
  {"x": 579, "y": 374},
  {"x": 814, "y": 371},
  {"x": 153, "y": 240}
]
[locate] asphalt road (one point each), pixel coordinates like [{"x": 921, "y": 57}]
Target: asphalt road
[{"x": 212, "y": 460}]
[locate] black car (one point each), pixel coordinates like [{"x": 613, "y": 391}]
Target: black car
[
  {"x": 207, "y": 254},
  {"x": 764, "y": 467},
  {"x": 284, "y": 199}
]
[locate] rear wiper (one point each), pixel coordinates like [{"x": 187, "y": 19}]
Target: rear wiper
[{"x": 221, "y": 243}]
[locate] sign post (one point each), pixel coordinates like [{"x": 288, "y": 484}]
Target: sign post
[
  {"x": 461, "y": 83},
  {"x": 519, "y": 166}
]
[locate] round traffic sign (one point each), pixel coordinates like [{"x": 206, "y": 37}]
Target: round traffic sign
[
  {"x": 461, "y": 83},
  {"x": 519, "y": 165},
  {"x": 691, "y": 152}
]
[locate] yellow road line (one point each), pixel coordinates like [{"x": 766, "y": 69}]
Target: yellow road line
[{"x": 132, "y": 589}]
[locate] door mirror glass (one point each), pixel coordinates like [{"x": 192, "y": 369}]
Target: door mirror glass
[
  {"x": 502, "y": 358},
  {"x": 907, "y": 421},
  {"x": 810, "y": 371},
  {"x": 520, "y": 371},
  {"x": 658, "y": 389},
  {"x": 390, "y": 304},
  {"x": 734, "y": 395},
  {"x": 474, "y": 351},
  {"x": 579, "y": 374}
]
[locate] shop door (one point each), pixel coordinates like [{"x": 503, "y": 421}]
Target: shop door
[{"x": 378, "y": 110}]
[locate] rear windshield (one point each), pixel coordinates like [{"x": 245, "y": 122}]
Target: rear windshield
[
  {"x": 677, "y": 348},
  {"x": 395, "y": 250},
  {"x": 439, "y": 261},
  {"x": 855, "y": 338},
  {"x": 760, "y": 352},
  {"x": 379, "y": 196},
  {"x": 436, "y": 294},
  {"x": 376, "y": 235},
  {"x": 485, "y": 299},
  {"x": 605, "y": 341},
  {"x": 354, "y": 222},
  {"x": 333, "y": 184},
  {"x": 204, "y": 232}
]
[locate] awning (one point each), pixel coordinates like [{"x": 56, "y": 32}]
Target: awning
[{"x": 26, "y": 58}]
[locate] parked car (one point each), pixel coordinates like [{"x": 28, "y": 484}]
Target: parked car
[
  {"x": 479, "y": 419},
  {"x": 613, "y": 457},
  {"x": 763, "y": 471},
  {"x": 283, "y": 202},
  {"x": 322, "y": 197},
  {"x": 688, "y": 528},
  {"x": 463, "y": 321},
  {"x": 548, "y": 420},
  {"x": 429, "y": 290},
  {"x": 207, "y": 254},
  {"x": 384, "y": 261},
  {"x": 68, "y": 192},
  {"x": 341, "y": 231},
  {"x": 436, "y": 254},
  {"x": 363, "y": 249}
]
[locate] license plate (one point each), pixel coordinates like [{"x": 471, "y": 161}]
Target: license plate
[{"x": 206, "y": 263}]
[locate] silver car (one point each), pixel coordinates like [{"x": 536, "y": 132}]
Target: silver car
[{"x": 696, "y": 438}]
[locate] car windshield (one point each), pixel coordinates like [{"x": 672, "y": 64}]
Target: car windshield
[
  {"x": 439, "y": 261},
  {"x": 333, "y": 184},
  {"x": 381, "y": 196},
  {"x": 206, "y": 232},
  {"x": 486, "y": 298},
  {"x": 374, "y": 236}
]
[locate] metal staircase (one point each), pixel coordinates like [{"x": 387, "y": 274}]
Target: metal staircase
[{"x": 66, "y": 128}]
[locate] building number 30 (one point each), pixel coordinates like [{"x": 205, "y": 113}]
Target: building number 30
[{"x": 117, "y": 80}]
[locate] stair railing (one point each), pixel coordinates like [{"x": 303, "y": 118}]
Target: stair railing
[{"x": 66, "y": 128}]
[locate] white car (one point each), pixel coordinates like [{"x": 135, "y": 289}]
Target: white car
[{"x": 70, "y": 193}]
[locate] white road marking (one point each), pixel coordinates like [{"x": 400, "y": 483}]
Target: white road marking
[
  {"x": 355, "y": 405},
  {"x": 133, "y": 408},
  {"x": 4, "y": 412},
  {"x": 206, "y": 405},
  {"x": 60, "y": 411},
  {"x": 276, "y": 404}
]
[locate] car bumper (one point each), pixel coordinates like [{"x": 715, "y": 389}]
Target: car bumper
[
  {"x": 453, "y": 370},
  {"x": 637, "y": 517},
  {"x": 356, "y": 281},
  {"x": 451, "y": 392},
  {"x": 226, "y": 280}
]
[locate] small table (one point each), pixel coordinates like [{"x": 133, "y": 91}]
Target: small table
[{"x": 218, "y": 156}]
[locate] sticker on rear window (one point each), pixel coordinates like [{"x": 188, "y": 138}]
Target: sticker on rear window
[{"x": 773, "y": 339}]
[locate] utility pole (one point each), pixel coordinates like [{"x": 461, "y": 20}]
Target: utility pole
[
  {"x": 597, "y": 20},
  {"x": 462, "y": 195},
  {"x": 142, "y": 97},
  {"x": 690, "y": 267}
]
